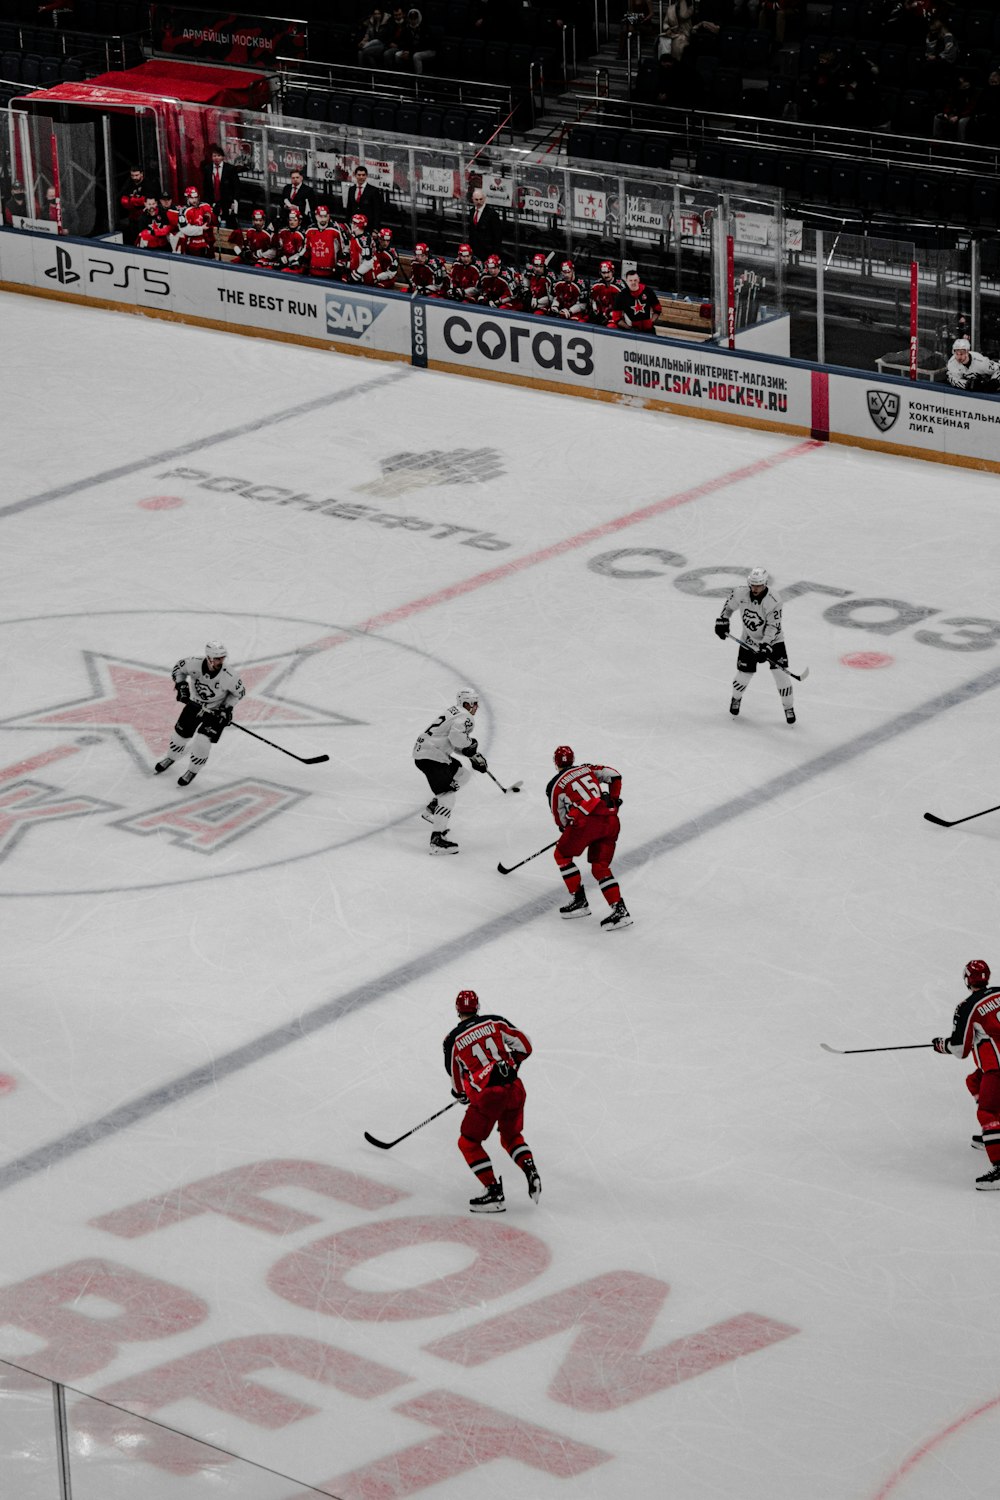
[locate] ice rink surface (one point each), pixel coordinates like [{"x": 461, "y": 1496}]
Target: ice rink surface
[{"x": 757, "y": 1271}]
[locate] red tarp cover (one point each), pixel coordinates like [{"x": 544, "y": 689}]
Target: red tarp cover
[{"x": 231, "y": 88}]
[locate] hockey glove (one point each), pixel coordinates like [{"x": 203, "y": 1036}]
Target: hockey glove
[
  {"x": 613, "y": 802},
  {"x": 183, "y": 691},
  {"x": 224, "y": 716},
  {"x": 722, "y": 628},
  {"x": 479, "y": 761},
  {"x": 940, "y": 1044},
  {"x": 458, "y": 1094},
  {"x": 765, "y": 651}
]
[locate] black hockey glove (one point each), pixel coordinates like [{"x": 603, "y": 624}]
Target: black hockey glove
[
  {"x": 224, "y": 716},
  {"x": 457, "y": 1094},
  {"x": 183, "y": 691},
  {"x": 613, "y": 802},
  {"x": 479, "y": 761},
  {"x": 722, "y": 628},
  {"x": 765, "y": 651},
  {"x": 940, "y": 1044}
]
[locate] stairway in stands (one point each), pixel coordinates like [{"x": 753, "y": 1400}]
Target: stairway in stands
[{"x": 604, "y": 75}]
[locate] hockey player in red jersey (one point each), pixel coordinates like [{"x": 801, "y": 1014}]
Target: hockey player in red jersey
[
  {"x": 584, "y": 800},
  {"x": 255, "y": 246},
  {"x": 569, "y": 295},
  {"x": 538, "y": 287},
  {"x": 482, "y": 1054},
  {"x": 156, "y": 230},
  {"x": 359, "y": 263},
  {"x": 195, "y": 226},
  {"x": 291, "y": 243},
  {"x": 604, "y": 294},
  {"x": 497, "y": 286},
  {"x": 465, "y": 276},
  {"x": 428, "y": 273},
  {"x": 636, "y": 307},
  {"x": 386, "y": 270},
  {"x": 322, "y": 241},
  {"x": 976, "y": 1030}
]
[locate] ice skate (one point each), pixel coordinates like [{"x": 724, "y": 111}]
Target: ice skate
[
  {"x": 990, "y": 1181},
  {"x": 977, "y": 1143},
  {"x": 187, "y": 778},
  {"x": 789, "y": 716},
  {"x": 491, "y": 1201},
  {"x": 577, "y": 906},
  {"x": 534, "y": 1183},
  {"x": 734, "y": 706},
  {"x": 442, "y": 845},
  {"x": 430, "y": 811},
  {"x": 163, "y": 765},
  {"x": 618, "y": 918}
]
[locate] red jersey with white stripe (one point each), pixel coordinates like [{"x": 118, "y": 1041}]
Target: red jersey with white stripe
[
  {"x": 579, "y": 789},
  {"x": 484, "y": 1052},
  {"x": 977, "y": 1029}
]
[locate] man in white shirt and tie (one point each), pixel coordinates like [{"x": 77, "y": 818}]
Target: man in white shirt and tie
[{"x": 485, "y": 229}]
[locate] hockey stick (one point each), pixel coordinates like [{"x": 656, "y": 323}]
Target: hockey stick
[
  {"x": 388, "y": 1145},
  {"x": 907, "y": 1047},
  {"x": 506, "y": 869},
  {"x": 306, "y": 760},
  {"x": 943, "y": 822},
  {"x": 748, "y": 646},
  {"x": 515, "y": 786}
]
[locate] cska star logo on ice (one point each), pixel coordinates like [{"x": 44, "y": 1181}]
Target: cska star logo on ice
[
  {"x": 883, "y": 408},
  {"x": 411, "y": 471}
]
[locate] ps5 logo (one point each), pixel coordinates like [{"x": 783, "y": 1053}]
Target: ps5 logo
[{"x": 62, "y": 271}]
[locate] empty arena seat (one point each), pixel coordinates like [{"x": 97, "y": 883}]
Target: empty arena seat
[
  {"x": 384, "y": 115},
  {"x": 362, "y": 111}
]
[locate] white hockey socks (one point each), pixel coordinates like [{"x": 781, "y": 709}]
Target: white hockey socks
[{"x": 740, "y": 683}]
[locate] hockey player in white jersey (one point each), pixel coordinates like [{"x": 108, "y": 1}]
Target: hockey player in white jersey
[
  {"x": 436, "y": 754},
  {"x": 758, "y": 609},
  {"x": 208, "y": 691}
]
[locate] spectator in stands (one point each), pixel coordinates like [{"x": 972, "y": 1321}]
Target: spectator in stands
[
  {"x": 50, "y": 208},
  {"x": 971, "y": 371},
  {"x": 363, "y": 198},
  {"x": 675, "y": 84},
  {"x": 953, "y": 121},
  {"x": 637, "y": 307},
  {"x": 485, "y": 228},
  {"x": 636, "y": 19},
  {"x": 678, "y": 23},
  {"x": 16, "y": 206},
  {"x": 220, "y": 186},
  {"x": 984, "y": 123},
  {"x": 775, "y": 15},
  {"x": 297, "y": 195},
  {"x": 371, "y": 42},
  {"x": 416, "y": 46},
  {"x": 905, "y": 21},
  {"x": 836, "y": 90},
  {"x": 941, "y": 57}
]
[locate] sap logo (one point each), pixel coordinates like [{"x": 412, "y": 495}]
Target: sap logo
[
  {"x": 350, "y": 318},
  {"x": 511, "y": 341},
  {"x": 63, "y": 271}
]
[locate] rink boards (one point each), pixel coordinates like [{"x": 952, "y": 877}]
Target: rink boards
[{"x": 888, "y": 414}]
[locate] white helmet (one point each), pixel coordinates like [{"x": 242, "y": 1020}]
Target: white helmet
[
  {"x": 215, "y": 648},
  {"x": 466, "y": 696},
  {"x": 758, "y": 578},
  {"x": 960, "y": 344}
]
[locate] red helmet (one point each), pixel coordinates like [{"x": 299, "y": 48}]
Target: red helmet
[
  {"x": 538, "y": 262},
  {"x": 465, "y": 250},
  {"x": 359, "y": 223},
  {"x": 467, "y": 1003},
  {"x": 563, "y": 756},
  {"x": 977, "y": 973},
  {"x": 293, "y": 213},
  {"x": 567, "y": 268},
  {"x": 492, "y": 262},
  {"x": 385, "y": 235},
  {"x": 259, "y": 216},
  {"x": 421, "y": 249},
  {"x": 321, "y": 208},
  {"x": 607, "y": 268}
]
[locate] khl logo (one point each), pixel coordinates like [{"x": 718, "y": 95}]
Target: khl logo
[
  {"x": 883, "y": 408},
  {"x": 346, "y": 316},
  {"x": 63, "y": 271}
]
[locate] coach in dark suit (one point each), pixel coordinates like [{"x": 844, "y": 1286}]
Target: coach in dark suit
[
  {"x": 362, "y": 198},
  {"x": 485, "y": 227},
  {"x": 220, "y": 186}
]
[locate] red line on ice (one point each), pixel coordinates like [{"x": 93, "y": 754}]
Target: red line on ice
[
  {"x": 932, "y": 1443},
  {"x": 570, "y": 544}
]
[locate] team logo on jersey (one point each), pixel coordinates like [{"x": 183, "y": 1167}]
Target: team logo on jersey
[
  {"x": 81, "y": 810},
  {"x": 413, "y": 471},
  {"x": 883, "y": 408}
]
